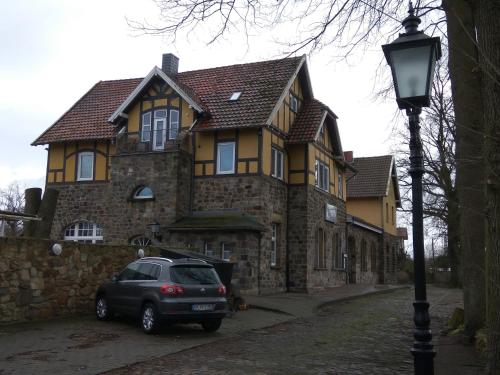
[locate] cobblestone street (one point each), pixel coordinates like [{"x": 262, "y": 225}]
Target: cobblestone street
[{"x": 369, "y": 335}]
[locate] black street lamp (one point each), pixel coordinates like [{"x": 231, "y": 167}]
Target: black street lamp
[{"x": 412, "y": 58}]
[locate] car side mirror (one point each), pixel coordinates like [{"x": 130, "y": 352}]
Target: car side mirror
[{"x": 115, "y": 278}]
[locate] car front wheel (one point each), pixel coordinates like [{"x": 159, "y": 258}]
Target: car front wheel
[
  {"x": 149, "y": 318},
  {"x": 102, "y": 310},
  {"x": 211, "y": 325}
]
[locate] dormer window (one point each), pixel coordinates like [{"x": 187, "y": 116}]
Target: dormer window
[
  {"x": 143, "y": 192},
  {"x": 235, "y": 96},
  {"x": 294, "y": 103}
]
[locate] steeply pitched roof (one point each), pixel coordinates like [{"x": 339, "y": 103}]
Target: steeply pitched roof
[
  {"x": 372, "y": 178},
  {"x": 261, "y": 83},
  {"x": 307, "y": 123},
  {"x": 88, "y": 117}
]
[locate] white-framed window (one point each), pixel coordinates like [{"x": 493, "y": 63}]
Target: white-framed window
[
  {"x": 225, "y": 157},
  {"x": 143, "y": 192},
  {"x": 85, "y": 166},
  {"x": 274, "y": 244},
  {"x": 341, "y": 186},
  {"x": 160, "y": 129},
  {"x": 174, "y": 124},
  {"x": 226, "y": 251},
  {"x": 208, "y": 249},
  {"x": 85, "y": 232},
  {"x": 294, "y": 103},
  {"x": 322, "y": 176},
  {"x": 146, "y": 127},
  {"x": 276, "y": 163}
]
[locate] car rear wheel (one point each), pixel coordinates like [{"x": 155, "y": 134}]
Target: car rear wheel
[
  {"x": 211, "y": 325},
  {"x": 102, "y": 310},
  {"x": 149, "y": 318}
]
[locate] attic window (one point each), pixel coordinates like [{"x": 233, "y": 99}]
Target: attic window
[
  {"x": 235, "y": 96},
  {"x": 294, "y": 103}
]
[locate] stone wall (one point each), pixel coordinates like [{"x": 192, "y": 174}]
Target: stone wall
[
  {"x": 390, "y": 251},
  {"x": 327, "y": 277},
  {"x": 109, "y": 204},
  {"x": 263, "y": 197},
  {"x": 245, "y": 253},
  {"x": 306, "y": 216},
  {"x": 37, "y": 285},
  {"x": 356, "y": 234}
]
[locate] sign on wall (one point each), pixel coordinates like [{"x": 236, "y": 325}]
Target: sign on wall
[{"x": 330, "y": 213}]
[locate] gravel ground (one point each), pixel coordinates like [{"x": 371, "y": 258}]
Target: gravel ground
[{"x": 369, "y": 335}]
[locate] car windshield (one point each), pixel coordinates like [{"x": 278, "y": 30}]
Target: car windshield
[{"x": 192, "y": 275}]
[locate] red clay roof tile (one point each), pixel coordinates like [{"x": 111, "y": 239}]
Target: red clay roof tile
[{"x": 261, "y": 84}]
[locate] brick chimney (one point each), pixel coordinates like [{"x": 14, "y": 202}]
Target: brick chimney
[
  {"x": 349, "y": 156},
  {"x": 170, "y": 64}
]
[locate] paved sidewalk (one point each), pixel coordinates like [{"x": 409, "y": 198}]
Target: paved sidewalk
[{"x": 301, "y": 305}]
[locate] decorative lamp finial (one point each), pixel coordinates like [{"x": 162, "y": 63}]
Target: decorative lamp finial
[{"x": 411, "y": 22}]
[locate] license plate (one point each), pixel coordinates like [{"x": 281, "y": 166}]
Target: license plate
[{"x": 204, "y": 307}]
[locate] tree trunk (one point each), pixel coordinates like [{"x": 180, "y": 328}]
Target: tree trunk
[
  {"x": 466, "y": 91},
  {"x": 489, "y": 44},
  {"x": 453, "y": 224}
]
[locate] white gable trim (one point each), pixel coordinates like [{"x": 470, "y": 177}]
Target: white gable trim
[
  {"x": 335, "y": 128},
  {"x": 287, "y": 89},
  {"x": 155, "y": 72}
]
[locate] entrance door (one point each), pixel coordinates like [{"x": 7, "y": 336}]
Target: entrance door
[
  {"x": 351, "y": 245},
  {"x": 160, "y": 130}
]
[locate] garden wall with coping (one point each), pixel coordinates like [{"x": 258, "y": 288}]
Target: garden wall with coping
[{"x": 35, "y": 284}]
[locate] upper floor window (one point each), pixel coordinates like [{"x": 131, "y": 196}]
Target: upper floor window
[
  {"x": 276, "y": 163},
  {"x": 341, "y": 186},
  {"x": 173, "y": 124},
  {"x": 85, "y": 166},
  {"x": 322, "y": 176},
  {"x": 225, "y": 157},
  {"x": 143, "y": 192},
  {"x": 146, "y": 127},
  {"x": 393, "y": 215},
  {"x": 85, "y": 232},
  {"x": 294, "y": 103},
  {"x": 387, "y": 212}
]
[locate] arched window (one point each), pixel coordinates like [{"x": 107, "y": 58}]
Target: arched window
[
  {"x": 374, "y": 257},
  {"x": 143, "y": 192},
  {"x": 364, "y": 266},
  {"x": 85, "y": 232},
  {"x": 320, "y": 249},
  {"x": 140, "y": 241}
]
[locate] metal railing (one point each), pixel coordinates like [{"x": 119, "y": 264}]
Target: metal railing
[{"x": 150, "y": 141}]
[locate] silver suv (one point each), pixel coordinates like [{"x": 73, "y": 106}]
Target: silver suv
[{"x": 161, "y": 289}]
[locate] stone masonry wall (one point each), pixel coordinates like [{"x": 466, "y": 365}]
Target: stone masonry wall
[
  {"x": 263, "y": 197},
  {"x": 245, "y": 252},
  {"x": 372, "y": 239},
  {"x": 327, "y": 277},
  {"x": 37, "y": 285},
  {"x": 109, "y": 205}
]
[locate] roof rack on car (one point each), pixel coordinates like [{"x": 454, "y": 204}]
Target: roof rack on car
[
  {"x": 192, "y": 259},
  {"x": 158, "y": 258}
]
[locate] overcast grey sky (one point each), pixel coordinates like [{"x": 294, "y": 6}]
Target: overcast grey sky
[{"x": 53, "y": 51}]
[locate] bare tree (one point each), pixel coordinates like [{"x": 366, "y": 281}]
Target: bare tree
[
  {"x": 438, "y": 132},
  {"x": 12, "y": 200},
  {"x": 470, "y": 27}
]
